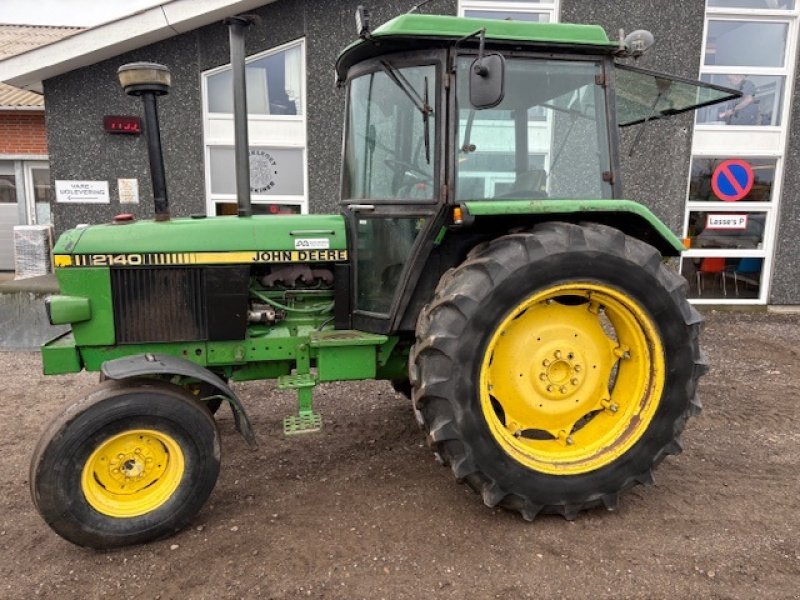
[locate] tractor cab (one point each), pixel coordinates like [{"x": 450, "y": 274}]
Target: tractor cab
[{"x": 449, "y": 117}]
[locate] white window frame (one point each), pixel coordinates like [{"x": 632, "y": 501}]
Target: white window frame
[
  {"x": 272, "y": 131},
  {"x": 747, "y": 141},
  {"x": 549, "y": 7}
]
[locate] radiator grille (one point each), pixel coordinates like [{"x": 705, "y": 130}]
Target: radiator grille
[{"x": 166, "y": 304}]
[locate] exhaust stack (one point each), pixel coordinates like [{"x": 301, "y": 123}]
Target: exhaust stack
[
  {"x": 236, "y": 28},
  {"x": 149, "y": 80}
]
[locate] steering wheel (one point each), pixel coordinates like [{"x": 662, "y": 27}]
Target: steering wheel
[{"x": 393, "y": 164}]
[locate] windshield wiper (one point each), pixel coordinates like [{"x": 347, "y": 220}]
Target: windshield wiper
[{"x": 419, "y": 102}]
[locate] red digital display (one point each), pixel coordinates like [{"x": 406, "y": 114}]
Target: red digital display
[{"x": 122, "y": 124}]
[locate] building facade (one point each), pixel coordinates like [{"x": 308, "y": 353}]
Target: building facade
[{"x": 723, "y": 178}]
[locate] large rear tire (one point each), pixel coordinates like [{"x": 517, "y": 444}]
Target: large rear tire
[
  {"x": 556, "y": 368},
  {"x": 131, "y": 462}
]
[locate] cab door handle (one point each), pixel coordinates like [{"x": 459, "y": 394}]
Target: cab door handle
[{"x": 355, "y": 207}]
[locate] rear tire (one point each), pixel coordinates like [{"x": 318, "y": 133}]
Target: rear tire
[
  {"x": 131, "y": 462},
  {"x": 556, "y": 368}
]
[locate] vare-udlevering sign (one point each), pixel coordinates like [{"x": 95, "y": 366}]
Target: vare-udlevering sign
[{"x": 79, "y": 192}]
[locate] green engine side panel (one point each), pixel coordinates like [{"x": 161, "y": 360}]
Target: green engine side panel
[
  {"x": 575, "y": 207},
  {"x": 93, "y": 283}
]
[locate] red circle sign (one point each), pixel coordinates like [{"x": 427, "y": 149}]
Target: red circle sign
[{"x": 732, "y": 180}]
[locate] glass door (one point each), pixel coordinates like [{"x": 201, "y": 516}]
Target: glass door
[{"x": 9, "y": 213}]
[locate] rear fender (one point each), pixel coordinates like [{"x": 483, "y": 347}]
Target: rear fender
[{"x": 162, "y": 364}]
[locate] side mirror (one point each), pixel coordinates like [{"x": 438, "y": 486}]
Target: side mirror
[{"x": 487, "y": 81}]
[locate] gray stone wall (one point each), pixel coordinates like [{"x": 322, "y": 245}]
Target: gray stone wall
[
  {"x": 785, "y": 288},
  {"x": 77, "y": 101},
  {"x": 658, "y": 172}
]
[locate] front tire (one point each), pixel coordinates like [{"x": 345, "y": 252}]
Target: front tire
[
  {"x": 556, "y": 368},
  {"x": 131, "y": 462}
]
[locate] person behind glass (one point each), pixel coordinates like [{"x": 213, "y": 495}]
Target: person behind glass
[{"x": 743, "y": 110}]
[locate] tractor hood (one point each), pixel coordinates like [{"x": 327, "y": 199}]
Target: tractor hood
[{"x": 220, "y": 237}]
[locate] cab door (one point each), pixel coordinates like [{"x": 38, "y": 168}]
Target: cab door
[{"x": 391, "y": 181}]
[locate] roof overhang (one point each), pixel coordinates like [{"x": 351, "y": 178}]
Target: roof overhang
[{"x": 29, "y": 69}]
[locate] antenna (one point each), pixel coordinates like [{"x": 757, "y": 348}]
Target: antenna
[{"x": 416, "y": 7}]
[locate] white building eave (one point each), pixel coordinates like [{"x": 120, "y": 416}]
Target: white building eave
[{"x": 29, "y": 69}]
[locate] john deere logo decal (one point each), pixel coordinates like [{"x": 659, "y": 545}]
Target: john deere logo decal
[{"x": 263, "y": 170}]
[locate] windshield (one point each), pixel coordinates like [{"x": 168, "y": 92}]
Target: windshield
[
  {"x": 389, "y": 149},
  {"x": 548, "y": 138}
]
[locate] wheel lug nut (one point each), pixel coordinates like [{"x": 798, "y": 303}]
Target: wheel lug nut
[
  {"x": 570, "y": 356},
  {"x": 557, "y": 354},
  {"x": 577, "y": 368},
  {"x": 542, "y": 376},
  {"x": 570, "y": 441},
  {"x": 574, "y": 381},
  {"x": 545, "y": 363},
  {"x": 563, "y": 389},
  {"x": 549, "y": 388}
]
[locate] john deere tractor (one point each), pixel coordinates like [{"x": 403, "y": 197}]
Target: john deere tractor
[{"x": 483, "y": 262}]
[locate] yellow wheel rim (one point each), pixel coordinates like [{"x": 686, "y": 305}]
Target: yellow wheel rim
[
  {"x": 132, "y": 473},
  {"x": 571, "y": 378}
]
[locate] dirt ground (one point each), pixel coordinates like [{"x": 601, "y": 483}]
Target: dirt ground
[{"x": 362, "y": 510}]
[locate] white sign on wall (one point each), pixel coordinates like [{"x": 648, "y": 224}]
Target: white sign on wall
[
  {"x": 82, "y": 192},
  {"x": 128, "y": 191},
  {"x": 726, "y": 221}
]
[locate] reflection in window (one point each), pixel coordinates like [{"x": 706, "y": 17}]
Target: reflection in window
[
  {"x": 763, "y": 4},
  {"x": 702, "y": 190},
  {"x": 736, "y": 230},
  {"x": 723, "y": 278},
  {"x": 760, "y": 103},
  {"x": 8, "y": 189},
  {"x": 231, "y": 209},
  {"x": 546, "y": 139},
  {"x": 746, "y": 43},
  {"x": 274, "y": 85},
  {"x": 509, "y": 15},
  {"x": 390, "y": 149},
  {"x": 384, "y": 247}
]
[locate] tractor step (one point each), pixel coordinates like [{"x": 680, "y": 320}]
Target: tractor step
[
  {"x": 296, "y": 382},
  {"x": 306, "y": 422}
]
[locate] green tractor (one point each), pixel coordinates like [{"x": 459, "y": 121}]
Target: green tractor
[{"x": 483, "y": 262}]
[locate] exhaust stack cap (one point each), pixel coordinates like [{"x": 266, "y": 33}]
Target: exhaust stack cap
[{"x": 141, "y": 77}]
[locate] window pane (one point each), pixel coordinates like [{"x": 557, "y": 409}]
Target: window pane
[
  {"x": 390, "y": 149},
  {"x": 259, "y": 208},
  {"x": 542, "y": 17},
  {"x": 384, "y": 246},
  {"x": 746, "y": 43},
  {"x": 274, "y": 85},
  {"x": 273, "y": 171},
  {"x": 740, "y": 230},
  {"x": 701, "y": 188},
  {"x": 643, "y": 95},
  {"x": 8, "y": 189},
  {"x": 719, "y": 278},
  {"x": 760, "y": 103},
  {"x": 765, "y": 4},
  {"x": 554, "y": 112}
]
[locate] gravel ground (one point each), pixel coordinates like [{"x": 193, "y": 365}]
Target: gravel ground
[{"x": 362, "y": 510}]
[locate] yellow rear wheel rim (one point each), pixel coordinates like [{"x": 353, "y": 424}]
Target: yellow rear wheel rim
[
  {"x": 132, "y": 473},
  {"x": 571, "y": 378}
]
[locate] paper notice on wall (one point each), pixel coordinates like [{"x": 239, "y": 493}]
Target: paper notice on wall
[
  {"x": 128, "y": 191},
  {"x": 82, "y": 192}
]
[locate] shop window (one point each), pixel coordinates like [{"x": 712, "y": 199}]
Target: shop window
[
  {"x": 723, "y": 229},
  {"x": 702, "y": 179},
  {"x": 276, "y": 127},
  {"x": 719, "y": 278},
  {"x": 757, "y": 4},
  {"x": 273, "y": 171},
  {"x": 745, "y": 43},
  {"x": 760, "y": 104},
  {"x": 537, "y": 11},
  {"x": 274, "y": 85}
]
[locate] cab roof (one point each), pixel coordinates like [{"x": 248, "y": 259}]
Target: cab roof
[{"x": 415, "y": 31}]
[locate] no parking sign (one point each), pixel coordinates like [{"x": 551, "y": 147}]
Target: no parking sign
[{"x": 732, "y": 180}]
